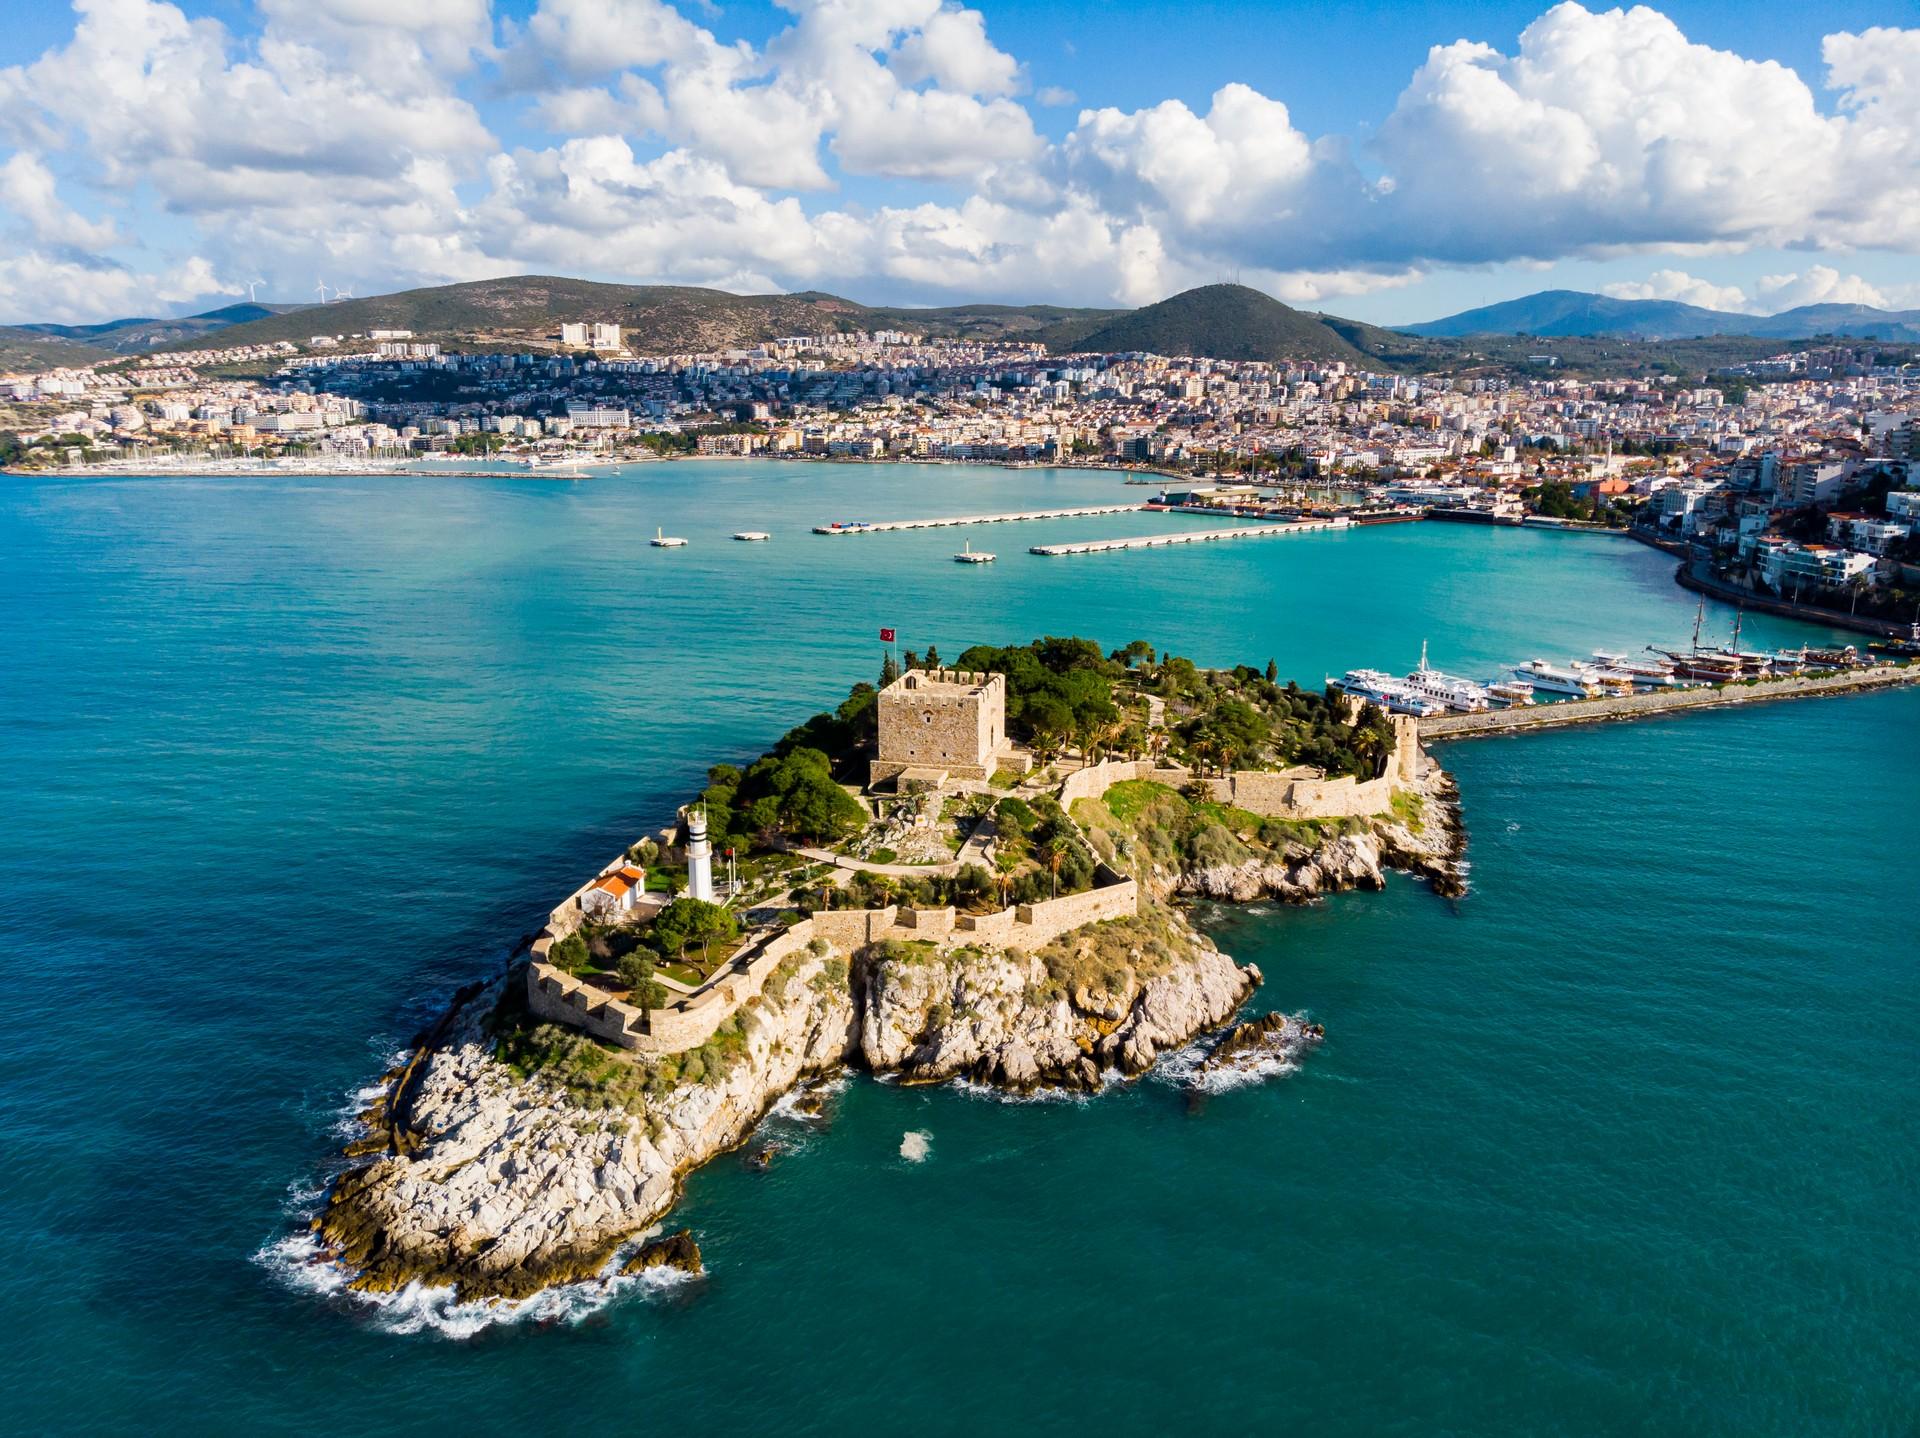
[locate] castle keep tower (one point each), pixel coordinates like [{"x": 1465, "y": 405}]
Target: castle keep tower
[{"x": 939, "y": 724}]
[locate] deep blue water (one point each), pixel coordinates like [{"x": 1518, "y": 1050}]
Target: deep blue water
[{"x": 1623, "y": 1141}]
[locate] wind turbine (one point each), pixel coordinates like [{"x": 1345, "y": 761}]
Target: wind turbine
[
  {"x": 321, "y": 288},
  {"x": 253, "y": 285},
  {"x": 339, "y": 295}
]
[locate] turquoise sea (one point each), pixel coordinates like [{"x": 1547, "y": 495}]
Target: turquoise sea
[{"x": 1627, "y": 1140}]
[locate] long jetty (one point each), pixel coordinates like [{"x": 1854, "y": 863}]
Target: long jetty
[
  {"x": 1191, "y": 536},
  {"x": 950, "y": 521},
  {"x": 1666, "y": 701}
]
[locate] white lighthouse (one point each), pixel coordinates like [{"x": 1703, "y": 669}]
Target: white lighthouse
[{"x": 699, "y": 857}]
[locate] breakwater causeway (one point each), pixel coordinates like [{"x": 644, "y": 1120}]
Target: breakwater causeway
[
  {"x": 1194, "y": 536},
  {"x": 1637, "y": 706}
]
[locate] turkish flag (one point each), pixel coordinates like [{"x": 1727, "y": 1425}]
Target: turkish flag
[{"x": 886, "y": 636}]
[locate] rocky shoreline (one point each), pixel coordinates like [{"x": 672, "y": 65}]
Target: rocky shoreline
[
  {"x": 1433, "y": 849},
  {"x": 499, "y": 1182}
]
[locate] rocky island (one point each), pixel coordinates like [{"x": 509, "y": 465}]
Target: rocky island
[{"x": 970, "y": 872}]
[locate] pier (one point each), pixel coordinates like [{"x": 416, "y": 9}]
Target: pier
[
  {"x": 948, "y": 522},
  {"x": 1191, "y": 536},
  {"x": 1666, "y": 701}
]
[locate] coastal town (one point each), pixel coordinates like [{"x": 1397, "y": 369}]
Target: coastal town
[{"x": 1788, "y": 480}]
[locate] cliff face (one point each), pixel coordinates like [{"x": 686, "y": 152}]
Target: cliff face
[
  {"x": 1429, "y": 846},
  {"x": 1061, "y": 1018},
  {"x": 510, "y": 1184},
  {"x": 503, "y": 1185}
]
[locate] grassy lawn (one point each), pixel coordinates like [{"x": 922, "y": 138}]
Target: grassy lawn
[
  {"x": 1127, "y": 798},
  {"x": 680, "y": 973}
]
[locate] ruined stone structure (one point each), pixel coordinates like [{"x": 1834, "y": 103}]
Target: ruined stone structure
[{"x": 940, "y": 724}]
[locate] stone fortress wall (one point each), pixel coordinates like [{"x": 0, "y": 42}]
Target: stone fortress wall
[
  {"x": 1300, "y": 793},
  {"x": 687, "y": 1023},
  {"x": 970, "y": 712}
]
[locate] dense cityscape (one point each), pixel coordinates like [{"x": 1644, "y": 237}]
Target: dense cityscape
[{"x": 1788, "y": 477}]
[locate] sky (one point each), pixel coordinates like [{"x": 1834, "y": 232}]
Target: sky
[{"x": 1390, "y": 162}]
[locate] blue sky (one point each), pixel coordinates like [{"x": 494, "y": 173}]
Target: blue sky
[{"x": 1390, "y": 162}]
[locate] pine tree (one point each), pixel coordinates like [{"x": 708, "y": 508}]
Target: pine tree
[
  {"x": 933, "y": 657},
  {"x": 909, "y": 660},
  {"x": 1273, "y": 672},
  {"x": 889, "y": 671}
]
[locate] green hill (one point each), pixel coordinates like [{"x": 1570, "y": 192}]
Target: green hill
[
  {"x": 1218, "y": 322},
  {"x": 132, "y": 336},
  {"x": 29, "y": 350},
  {"x": 653, "y": 318}
]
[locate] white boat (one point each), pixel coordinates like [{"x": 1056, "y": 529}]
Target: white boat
[
  {"x": 1447, "y": 690},
  {"x": 662, "y": 540},
  {"x": 1646, "y": 673},
  {"x": 752, "y": 536},
  {"x": 1606, "y": 680},
  {"x": 1555, "y": 680},
  {"x": 969, "y": 555},
  {"x": 1389, "y": 693},
  {"x": 1511, "y": 692}
]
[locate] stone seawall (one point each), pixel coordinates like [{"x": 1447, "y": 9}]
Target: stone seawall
[{"x": 1637, "y": 706}]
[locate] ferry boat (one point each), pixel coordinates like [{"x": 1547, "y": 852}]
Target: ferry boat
[
  {"x": 1555, "y": 680},
  {"x": 1389, "y": 693},
  {"x": 662, "y": 540},
  {"x": 1513, "y": 693},
  {"x": 1447, "y": 690},
  {"x": 969, "y": 555},
  {"x": 752, "y": 536}
]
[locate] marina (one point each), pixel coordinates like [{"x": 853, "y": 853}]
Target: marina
[
  {"x": 1193, "y": 536},
  {"x": 887, "y": 526},
  {"x": 1667, "y": 701}
]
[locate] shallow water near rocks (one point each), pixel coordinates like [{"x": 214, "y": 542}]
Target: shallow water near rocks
[{"x": 1623, "y": 1140}]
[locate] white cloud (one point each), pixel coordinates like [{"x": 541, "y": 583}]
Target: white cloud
[
  {"x": 1055, "y": 96},
  {"x": 1817, "y": 285},
  {"x": 349, "y": 135},
  {"x": 951, "y": 50},
  {"x": 1681, "y": 286},
  {"x": 39, "y": 216}
]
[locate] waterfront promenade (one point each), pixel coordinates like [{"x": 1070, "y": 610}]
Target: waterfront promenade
[{"x": 1665, "y": 701}]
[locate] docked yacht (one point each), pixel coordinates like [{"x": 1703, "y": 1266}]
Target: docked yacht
[
  {"x": 1447, "y": 690},
  {"x": 1645, "y": 673},
  {"x": 1513, "y": 693},
  {"x": 1556, "y": 680},
  {"x": 1389, "y": 693}
]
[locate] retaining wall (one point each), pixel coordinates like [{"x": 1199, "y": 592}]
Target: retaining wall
[
  {"x": 1637, "y": 706},
  {"x": 689, "y": 1022}
]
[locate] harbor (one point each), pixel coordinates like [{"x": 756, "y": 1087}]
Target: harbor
[
  {"x": 1666, "y": 701},
  {"x": 1191, "y": 536},
  {"x": 887, "y": 526}
]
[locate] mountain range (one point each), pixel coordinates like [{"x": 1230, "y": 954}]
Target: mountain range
[
  {"x": 1554, "y": 314},
  {"x": 1594, "y": 332}
]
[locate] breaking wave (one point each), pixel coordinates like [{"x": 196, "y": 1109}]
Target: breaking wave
[{"x": 299, "y": 1261}]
